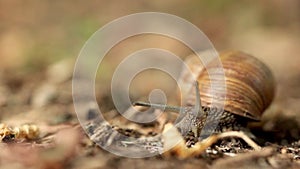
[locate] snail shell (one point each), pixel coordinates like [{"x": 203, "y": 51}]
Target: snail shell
[{"x": 249, "y": 84}]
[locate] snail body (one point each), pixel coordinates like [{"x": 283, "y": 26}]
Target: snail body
[
  {"x": 249, "y": 91},
  {"x": 249, "y": 86}
]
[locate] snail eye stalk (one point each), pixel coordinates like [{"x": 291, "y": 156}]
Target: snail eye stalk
[
  {"x": 159, "y": 106},
  {"x": 197, "y": 108}
]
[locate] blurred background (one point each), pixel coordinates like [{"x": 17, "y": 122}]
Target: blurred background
[
  {"x": 37, "y": 34},
  {"x": 40, "y": 41}
]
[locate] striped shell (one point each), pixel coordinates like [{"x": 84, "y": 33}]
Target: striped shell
[{"x": 249, "y": 84}]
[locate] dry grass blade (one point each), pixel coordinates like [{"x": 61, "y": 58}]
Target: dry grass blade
[{"x": 174, "y": 143}]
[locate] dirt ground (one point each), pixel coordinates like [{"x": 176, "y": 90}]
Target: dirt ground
[{"x": 39, "y": 43}]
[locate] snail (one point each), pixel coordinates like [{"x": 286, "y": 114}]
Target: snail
[{"x": 249, "y": 91}]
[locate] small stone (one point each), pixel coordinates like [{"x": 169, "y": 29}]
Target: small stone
[
  {"x": 43, "y": 95},
  {"x": 60, "y": 72}
]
